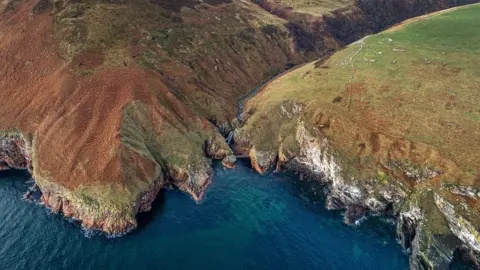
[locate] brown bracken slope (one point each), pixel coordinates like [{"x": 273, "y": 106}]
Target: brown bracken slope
[
  {"x": 75, "y": 118},
  {"x": 106, "y": 102}
]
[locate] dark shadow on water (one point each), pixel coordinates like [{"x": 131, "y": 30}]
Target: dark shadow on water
[
  {"x": 245, "y": 162},
  {"x": 21, "y": 181},
  {"x": 313, "y": 196},
  {"x": 145, "y": 219},
  {"x": 310, "y": 193},
  {"x": 311, "y": 190},
  {"x": 19, "y": 174}
]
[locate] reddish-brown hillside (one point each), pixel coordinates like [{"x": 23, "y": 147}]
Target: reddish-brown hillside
[
  {"x": 106, "y": 102},
  {"x": 72, "y": 120}
]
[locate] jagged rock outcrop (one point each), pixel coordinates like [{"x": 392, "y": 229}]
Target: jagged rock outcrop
[
  {"x": 351, "y": 122},
  {"x": 99, "y": 142},
  {"x": 427, "y": 223},
  {"x": 14, "y": 152},
  {"x": 230, "y": 161},
  {"x": 106, "y": 102}
]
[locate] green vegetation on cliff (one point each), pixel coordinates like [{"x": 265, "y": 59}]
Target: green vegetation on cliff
[
  {"x": 399, "y": 107},
  {"x": 120, "y": 98},
  {"x": 415, "y": 84}
]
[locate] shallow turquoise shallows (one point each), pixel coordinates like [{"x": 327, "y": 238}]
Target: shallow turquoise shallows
[{"x": 245, "y": 221}]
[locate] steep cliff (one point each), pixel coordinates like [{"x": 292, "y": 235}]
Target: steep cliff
[
  {"x": 390, "y": 125},
  {"x": 106, "y": 102},
  {"x": 99, "y": 140}
]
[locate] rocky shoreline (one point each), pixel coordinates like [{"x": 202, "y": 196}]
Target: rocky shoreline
[
  {"x": 317, "y": 161},
  {"x": 366, "y": 167},
  {"x": 159, "y": 139},
  {"x": 15, "y": 153}
]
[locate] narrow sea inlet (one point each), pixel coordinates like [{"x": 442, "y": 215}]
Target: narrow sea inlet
[{"x": 245, "y": 221}]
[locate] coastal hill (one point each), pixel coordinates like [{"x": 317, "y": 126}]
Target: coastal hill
[
  {"x": 107, "y": 102},
  {"x": 391, "y": 124}
]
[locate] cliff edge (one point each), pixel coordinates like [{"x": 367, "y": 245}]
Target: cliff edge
[
  {"x": 390, "y": 125},
  {"x": 107, "y": 102}
]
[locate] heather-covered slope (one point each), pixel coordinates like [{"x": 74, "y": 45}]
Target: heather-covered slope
[
  {"x": 391, "y": 125},
  {"x": 101, "y": 144},
  {"x": 106, "y": 102}
]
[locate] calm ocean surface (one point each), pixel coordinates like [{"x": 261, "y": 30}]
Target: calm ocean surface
[{"x": 246, "y": 221}]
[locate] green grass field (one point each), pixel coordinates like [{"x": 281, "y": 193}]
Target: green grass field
[{"x": 409, "y": 94}]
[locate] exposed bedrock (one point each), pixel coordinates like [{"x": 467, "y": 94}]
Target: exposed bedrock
[
  {"x": 112, "y": 207},
  {"x": 14, "y": 152},
  {"x": 113, "y": 112},
  {"x": 230, "y": 161},
  {"x": 332, "y": 121},
  {"x": 428, "y": 225}
]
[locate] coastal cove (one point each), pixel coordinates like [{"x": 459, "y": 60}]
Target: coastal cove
[
  {"x": 240, "y": 135},
  {"x": 244, "y": 221}
]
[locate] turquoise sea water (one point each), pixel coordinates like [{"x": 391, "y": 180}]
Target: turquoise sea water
[{"x": 246, "y": 221}]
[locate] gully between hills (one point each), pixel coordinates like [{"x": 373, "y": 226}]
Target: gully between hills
[{"x": 101, "y": 145}]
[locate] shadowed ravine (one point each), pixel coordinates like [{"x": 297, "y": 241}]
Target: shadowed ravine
[
  {"x": 245, "y": 221},
  {"x": 242, "y": 101}
]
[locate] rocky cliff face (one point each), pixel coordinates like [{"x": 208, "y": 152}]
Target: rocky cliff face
[
  {"x": 428, "y": 225},
  {"x": 14, "y": 152},
  {"x": 100, "y": 143},
  {"x": 346, "y": 121},
  {"x": 106, "y": 102}
]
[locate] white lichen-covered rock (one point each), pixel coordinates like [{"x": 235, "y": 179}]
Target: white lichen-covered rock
[
  {"x": 422, "y": 228},
  {"x": 375, "y": 205},
  {"x": 316, "y": 158},
  {"x": 459, "y": 226},
  {"x": 467, "y": 191},
  {"x": 407, "y": 223}
]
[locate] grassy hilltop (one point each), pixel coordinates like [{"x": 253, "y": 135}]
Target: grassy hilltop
[
  {"x": 107, "y": 102},
  {"x": 417, "y": 82},
  {"x": 398, "y": 109}
]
